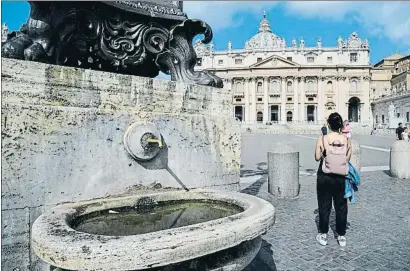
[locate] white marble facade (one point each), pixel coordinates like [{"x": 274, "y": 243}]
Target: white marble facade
[
  {"x": 391, "y": 101},
  {"x": 275, "y": 82}
]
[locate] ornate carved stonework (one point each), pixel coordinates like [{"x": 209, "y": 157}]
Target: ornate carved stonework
[
  {"x": 139, "y": 38},
  {"x": 354, "y": 42}
]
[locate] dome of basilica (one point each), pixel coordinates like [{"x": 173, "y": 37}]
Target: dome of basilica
[{"x": 265, "y": 40}]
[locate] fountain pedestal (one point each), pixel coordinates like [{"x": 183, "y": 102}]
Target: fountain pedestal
[{"x": 63, "y": 140}]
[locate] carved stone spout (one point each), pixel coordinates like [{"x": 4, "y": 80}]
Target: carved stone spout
[{"x": 138, "y": 38}]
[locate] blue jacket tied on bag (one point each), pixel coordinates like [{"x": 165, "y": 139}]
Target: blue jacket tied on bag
[{"x": 352, "y": 182}]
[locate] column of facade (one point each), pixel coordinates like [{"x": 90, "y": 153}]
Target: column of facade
[
  {"x": 247, "y": 98},
  {"x": 365, "y": 108},
  {"x": 337, "y": 95},
  {"x": 283, "y": 101},
  {"x": 265, "y": 100},
  {"x": 252, "y": 89},
  {"x": 320, "y": 100},
  {"x": 295, "y": 99},
  {"x": 302, "y": 108},
  {"x": 228, "y": 84},
  {"x": 344, "y": 98}
]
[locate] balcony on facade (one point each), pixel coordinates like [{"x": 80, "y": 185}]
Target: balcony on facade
[
  {"x": 275, "y": 88},
  {"x": 354, "y": 89},
  {"x": 311, "y": 88}
]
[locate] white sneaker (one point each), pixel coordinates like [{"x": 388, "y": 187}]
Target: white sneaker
[
  {"x": 322, "y": 239},
  {"x": 341, "y": 240}
]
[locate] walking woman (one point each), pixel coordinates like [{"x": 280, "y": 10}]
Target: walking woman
[{"x": 333, "y": 151}]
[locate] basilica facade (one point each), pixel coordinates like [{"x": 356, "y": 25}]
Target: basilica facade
[{"x": 272, "y": 81}]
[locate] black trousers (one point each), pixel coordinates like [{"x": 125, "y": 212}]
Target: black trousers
[{"x": 331, "y": 187}]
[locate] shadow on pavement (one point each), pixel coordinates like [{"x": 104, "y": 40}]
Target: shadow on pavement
[
  {"x": 255, "y": 187},
  {"x": 388, "y": 173},
  {"x": 264, "y": 260}
]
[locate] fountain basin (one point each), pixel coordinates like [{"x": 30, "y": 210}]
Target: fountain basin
[{"x": 59, "y": 237}]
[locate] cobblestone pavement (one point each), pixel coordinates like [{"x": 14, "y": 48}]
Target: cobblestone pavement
[{"x": 378, "y": 235}]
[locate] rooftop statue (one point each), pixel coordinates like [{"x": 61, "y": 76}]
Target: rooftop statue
[{"x": 129, "y": 37}]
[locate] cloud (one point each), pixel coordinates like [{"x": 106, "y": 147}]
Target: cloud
[
  {"x": 224, "y": 14},
  {"x": 389, "y": 19},
  {"x": 380, "y": 19}
]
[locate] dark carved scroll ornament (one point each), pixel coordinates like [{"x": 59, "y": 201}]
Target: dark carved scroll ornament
[
  {"x": 100, "y": 36},
  {"x": 179, "y": 58}
]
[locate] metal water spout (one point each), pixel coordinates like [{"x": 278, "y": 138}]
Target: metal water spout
[{"x": 144, "y": 143}]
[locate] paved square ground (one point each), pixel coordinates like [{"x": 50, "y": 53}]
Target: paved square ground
[{"x": 378, "y": 235}]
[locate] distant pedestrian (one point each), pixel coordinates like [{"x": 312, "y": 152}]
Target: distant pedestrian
[
  {"x": 373, "y": 131},
  {"x": 405, "y": 134},
  {"x": 324, "y": 129},
  {"x": 333, "y": 151},
  {"x": 347, "y": 129},
  {"x": 399, "y": 131}
]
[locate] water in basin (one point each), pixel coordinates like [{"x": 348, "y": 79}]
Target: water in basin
[{"x": 144, "y": 219}]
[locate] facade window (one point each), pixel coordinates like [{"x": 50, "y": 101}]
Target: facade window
[
  {"x": 353, "y": 86},
  {"x": 310, "y": 59},
  {"x": 398, "y": 115},
  {"x": 238, "y": 100},
  {"x": 289, "y": 99},
  {"x": 289, "y": 87},
  {"x": 238, "y": 61},
  {"x": 220, "y": 62},
  {"x": 329, "y": 59},
  {"x": 310, "y": 99},
  {"x": 407, "y": 116},
  {"x": 274, "y": 86},
  {"x": 311, "y": 86},
  {"x": 330, "y": 86},
  {"x": 259, "y": 59},
  {"x": 239, "y": 87},
  {"x": 383, "y": 119},
  {"x": 377, "y": 119},
  {"x": 259, "y": 88},
  {"x": 289, "y": 58},
  {"x": 199, "y": 61},
  {"x": 259, "y": 99},
  {"x": 353, "y": 57}
]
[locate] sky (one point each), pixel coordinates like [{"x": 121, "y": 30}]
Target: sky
[{"x": 386, "y": 24}]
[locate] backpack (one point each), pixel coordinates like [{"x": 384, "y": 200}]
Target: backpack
[
  {"x": 335, "y": 161},
  {"x": 324, "y": 131}
]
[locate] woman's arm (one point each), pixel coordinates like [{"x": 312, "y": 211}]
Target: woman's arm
[
  {"x": 349, "y": 149},
  {"x": 319, "y": 149}
]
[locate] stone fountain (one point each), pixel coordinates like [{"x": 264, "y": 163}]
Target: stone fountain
[{"x": 106, "y": 170}]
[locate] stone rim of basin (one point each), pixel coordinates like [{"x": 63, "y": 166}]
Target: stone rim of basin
[{"x": 56, "y": 243}]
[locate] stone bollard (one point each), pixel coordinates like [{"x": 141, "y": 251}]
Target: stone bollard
[
  {"x": 356, "y": 154},
  {"x": 400, "y": 160},
  {"x": 283, "y": 171}
]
